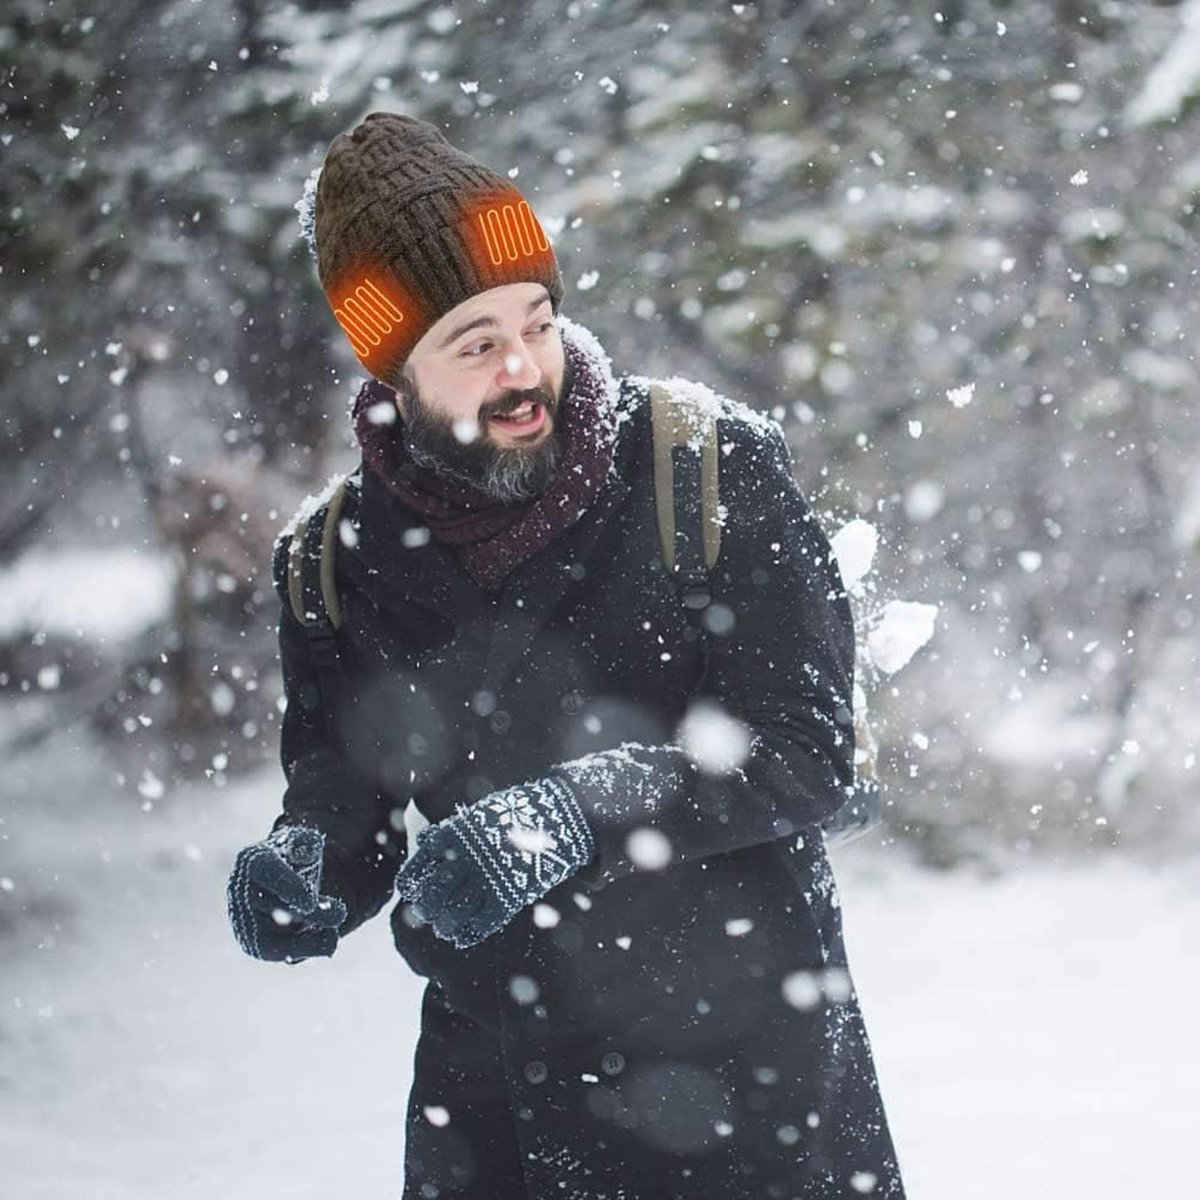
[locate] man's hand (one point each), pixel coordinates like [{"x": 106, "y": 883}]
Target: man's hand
[
  {"x": 473, "y": 872},
  {"x": 274, "y": 900}
]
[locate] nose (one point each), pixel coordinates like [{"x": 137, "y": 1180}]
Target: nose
[{"x": 518, "y": 369}]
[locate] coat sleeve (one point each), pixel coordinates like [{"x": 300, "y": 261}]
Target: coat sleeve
[
  {"x": 780, "y": 675},
  {"x": 364, "y": 846}
]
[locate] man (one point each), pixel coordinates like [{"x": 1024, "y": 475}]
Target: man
[{"x": 637, "y": 984}]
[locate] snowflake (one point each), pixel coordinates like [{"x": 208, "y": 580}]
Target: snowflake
[{"x": 514, "y": 809}]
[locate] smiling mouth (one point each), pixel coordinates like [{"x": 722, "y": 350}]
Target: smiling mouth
[{"x": 526, "y": 419}]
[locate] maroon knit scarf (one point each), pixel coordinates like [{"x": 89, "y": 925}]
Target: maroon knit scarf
[{"x": 492, "y": 538}]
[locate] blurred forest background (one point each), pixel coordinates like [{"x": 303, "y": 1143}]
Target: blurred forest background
[{"x": 951, "y": 244}]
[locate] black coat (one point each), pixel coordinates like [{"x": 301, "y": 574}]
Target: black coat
[{"x": 643, "y": 1032}]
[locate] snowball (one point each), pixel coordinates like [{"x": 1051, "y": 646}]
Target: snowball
[
  {"x": 902, "y": 630},
  {"x": 854, "y": 548}
]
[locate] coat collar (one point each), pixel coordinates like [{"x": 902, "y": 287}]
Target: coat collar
[{"x": 406, "y": 566}]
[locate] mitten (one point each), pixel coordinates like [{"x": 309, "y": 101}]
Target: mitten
[
  {"x": 470, "y": 874},
  {"x": 275, "y": 905}
]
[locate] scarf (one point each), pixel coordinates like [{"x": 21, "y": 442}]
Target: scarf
[{"x": 491, "y": 538}]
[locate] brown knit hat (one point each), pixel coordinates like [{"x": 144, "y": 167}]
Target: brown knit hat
[{"x": 406, "y": 227}]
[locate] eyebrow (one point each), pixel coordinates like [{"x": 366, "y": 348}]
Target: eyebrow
[{"x": 481, "y": 321}]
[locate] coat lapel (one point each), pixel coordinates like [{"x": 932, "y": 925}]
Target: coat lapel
[
  {"x": 408, "y": 565},
  {"x": 540, "y": 583}
]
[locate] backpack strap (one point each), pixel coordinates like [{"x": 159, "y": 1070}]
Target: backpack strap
[
  {"x": 312, "y": 589},
  {"x": 686, "y": 500},
  {"x": 686, "y": 491}
]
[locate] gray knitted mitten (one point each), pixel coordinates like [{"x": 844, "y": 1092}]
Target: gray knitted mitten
[
  {"x": 274, "y": 900},
  {"x": 473, "y": 872}
]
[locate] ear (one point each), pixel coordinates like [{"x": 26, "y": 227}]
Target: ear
[{"x": 404, "y": 387}]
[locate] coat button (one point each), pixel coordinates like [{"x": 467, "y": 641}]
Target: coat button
[
  {"x": 536, "y": 1071},
  {"x": 613, "y": 1063}
]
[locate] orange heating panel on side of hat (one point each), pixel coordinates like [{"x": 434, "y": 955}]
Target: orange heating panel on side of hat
[
  {"x": 371, "y": 307},
  {"x": 507, "y": 233}
]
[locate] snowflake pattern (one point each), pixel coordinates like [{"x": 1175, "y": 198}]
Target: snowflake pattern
[{"x": 533, "y": 831}]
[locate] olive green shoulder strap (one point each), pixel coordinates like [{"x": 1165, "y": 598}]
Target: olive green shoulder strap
[
  {"x": 686, "y": 489},
  {"x": 311, "y": 587}
]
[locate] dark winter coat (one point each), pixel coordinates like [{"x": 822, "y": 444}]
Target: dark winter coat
[{"x": 644, "y": 1032}]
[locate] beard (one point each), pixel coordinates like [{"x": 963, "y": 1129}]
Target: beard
[{"x": 507, "y": 474}]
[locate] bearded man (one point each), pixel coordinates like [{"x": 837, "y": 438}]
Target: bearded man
[{"x": 637, "y": 986}]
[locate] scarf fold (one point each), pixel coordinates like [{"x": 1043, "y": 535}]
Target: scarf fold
[{"x": 490, "y": 537}]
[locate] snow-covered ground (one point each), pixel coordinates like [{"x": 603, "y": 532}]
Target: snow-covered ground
[{"x": 1033, "y": 1033}]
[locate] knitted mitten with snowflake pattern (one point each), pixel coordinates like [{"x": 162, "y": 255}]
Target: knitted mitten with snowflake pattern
[{"x": 470, "y": 874}]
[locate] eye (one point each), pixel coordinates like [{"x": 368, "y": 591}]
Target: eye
[{"x": 480, "y": 348}]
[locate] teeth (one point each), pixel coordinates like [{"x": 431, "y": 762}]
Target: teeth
[{"x": 520, "y": 415}]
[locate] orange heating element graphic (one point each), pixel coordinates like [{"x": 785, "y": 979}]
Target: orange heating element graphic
[
  {"x": 369, "y": 317},
  {"x": 511, "y": 232}
]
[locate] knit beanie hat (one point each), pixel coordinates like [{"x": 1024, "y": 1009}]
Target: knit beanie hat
[{"x": 405, "y": 227}]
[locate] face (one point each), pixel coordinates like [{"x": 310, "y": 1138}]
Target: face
[{"x": 481, "y": 393}]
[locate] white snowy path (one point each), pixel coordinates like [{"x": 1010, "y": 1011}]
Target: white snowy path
[{"x": 1035, "y": 1036}]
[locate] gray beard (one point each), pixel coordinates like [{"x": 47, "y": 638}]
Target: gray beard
[{"x": 509, "y": 475}]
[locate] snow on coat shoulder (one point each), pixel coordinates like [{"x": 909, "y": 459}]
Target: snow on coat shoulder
[
  {"x": 707, "y": 405},
  {"x": 311, "y": 503}
]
